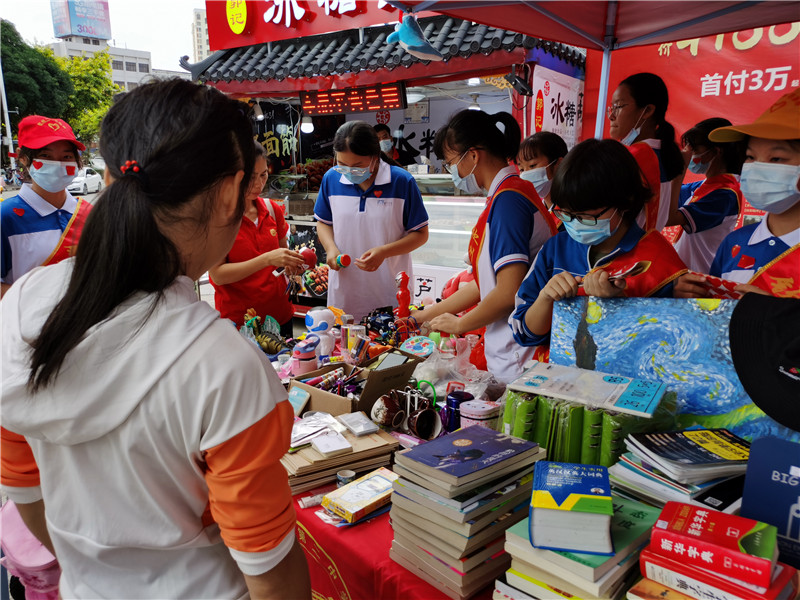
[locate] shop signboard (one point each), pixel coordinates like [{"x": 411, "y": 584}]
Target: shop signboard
[
  {"x": 556, "y": 104},
  {"x": 237, "y": 23},
  {"x": 84, "y": 18},
  {"x": 276, "y": 133}
]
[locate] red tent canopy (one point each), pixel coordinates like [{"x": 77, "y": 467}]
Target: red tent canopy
[{"x": 607, "y": 25}]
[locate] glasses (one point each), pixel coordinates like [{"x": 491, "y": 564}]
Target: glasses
[
  {"x": 568, "y": 217},
  {"x": 614, "y": 109},
  {"x": 449, "y": 167},
  {"x": 356, "y": 171}
]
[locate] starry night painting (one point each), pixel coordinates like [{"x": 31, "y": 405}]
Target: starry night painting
[{"x": 681, "y": 342}]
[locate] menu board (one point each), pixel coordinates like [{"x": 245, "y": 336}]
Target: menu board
[{"x": 387, "y": 96}]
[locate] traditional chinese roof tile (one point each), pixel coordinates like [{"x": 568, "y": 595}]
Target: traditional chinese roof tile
[{"x": 353, "y": 51}]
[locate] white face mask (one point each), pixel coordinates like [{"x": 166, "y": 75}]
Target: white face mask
[
  {"x": 698, "y": 167},
  {"x": 633, "y": 133},
  {"x": 770, "y": 186},
  {"x": 52, "y": 175},
  {"x": 386, "y": 146},
  {"x": 538, "y": 177}
]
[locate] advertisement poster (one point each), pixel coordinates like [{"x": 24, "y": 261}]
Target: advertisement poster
[
  {"x": 557, "y": 104},
  {"x": 85, "y": 18}
]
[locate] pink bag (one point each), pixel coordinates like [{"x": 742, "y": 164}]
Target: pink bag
[{"x": 26, "y": 557}]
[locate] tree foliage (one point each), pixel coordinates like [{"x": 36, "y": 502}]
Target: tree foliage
[{"x": 34, "y": 82}]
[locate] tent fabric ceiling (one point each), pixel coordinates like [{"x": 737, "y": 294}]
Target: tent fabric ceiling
[{"x": 627, "y": 22}]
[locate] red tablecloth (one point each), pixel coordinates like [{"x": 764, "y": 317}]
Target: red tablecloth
[{"x": 352, "y": 563}]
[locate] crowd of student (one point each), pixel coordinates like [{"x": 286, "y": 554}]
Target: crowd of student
[{"x": 155, "y": 427}]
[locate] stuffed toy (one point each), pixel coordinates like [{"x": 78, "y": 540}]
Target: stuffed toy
[{"x": 410, "y": 37}]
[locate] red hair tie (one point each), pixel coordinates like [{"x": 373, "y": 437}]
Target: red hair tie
[{"x": 130, "y": 164}]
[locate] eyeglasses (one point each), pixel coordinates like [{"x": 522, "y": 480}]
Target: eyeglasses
[
  {"x": 615, "y": 108},
  {"x": 449, "y": 167},
  {"x": 356, "y": 171},
  {"x": 588, "y": 220}
]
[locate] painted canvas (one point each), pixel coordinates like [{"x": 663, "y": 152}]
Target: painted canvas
[{"x": 681, "y": 342}]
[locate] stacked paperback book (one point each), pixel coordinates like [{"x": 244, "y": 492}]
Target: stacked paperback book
[
  {"x": 541, "y": 573},
  {"x": 706, "y": 554},
  {"x": 453, "y": 502},
  {"x": 309, "y": 469},
  {"x": 704, "y": 467}
]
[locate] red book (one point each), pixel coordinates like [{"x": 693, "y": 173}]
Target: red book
[
  {"x": 704, "y": 584},
  {"x": 735, "y": 546}
]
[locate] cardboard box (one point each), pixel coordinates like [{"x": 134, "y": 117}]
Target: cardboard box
[{"x": 377, "y": 384}]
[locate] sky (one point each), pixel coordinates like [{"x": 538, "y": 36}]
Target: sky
[{"x": 161, "y": 26}]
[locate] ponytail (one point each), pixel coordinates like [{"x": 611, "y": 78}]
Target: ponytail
[
  {"x": 499, "y": 134},
  {"x": 185, "y": 139}
]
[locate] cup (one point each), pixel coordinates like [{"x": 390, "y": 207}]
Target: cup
[
  {"x": 388, "y": 410},
  {"x": 422, "y": 423},
  {"x": 344, "y": 477},
  {"x": 450, "y": 413}
]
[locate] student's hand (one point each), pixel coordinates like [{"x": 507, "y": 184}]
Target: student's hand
[
  {"x": 690, "y": 285},
  {"x": 746, "y": 288},
  {"x": 447, "y": 322},
  {"x": 598, "y": 284},
  {"x": 561, "y": 285},
  {"x": 331, "y": 259},
  {"x": 283, "y": 257},
  {"x": 371, "y": 259}
]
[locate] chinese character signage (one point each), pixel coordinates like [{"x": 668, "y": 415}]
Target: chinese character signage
[
  {"x": 556, "y": 104},
  {"x": 276, "y": 133},
  {"x": 236, "y": 23},
  {"x": 378, "y": 97},
  {"x": 85, "y": 18}
]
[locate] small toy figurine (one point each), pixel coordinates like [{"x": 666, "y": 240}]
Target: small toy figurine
[
  {"x": 320, "y": 321},
  {"x": 403, "y": 296}
]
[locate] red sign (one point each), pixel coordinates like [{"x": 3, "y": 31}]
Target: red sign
[
  {"x": 237, "y": 23},
  {"x": 538, "y": 112},
  {"x": 376, "y": 97}
]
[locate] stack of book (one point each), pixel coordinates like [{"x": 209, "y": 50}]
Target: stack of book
[
  {"x": 308, "y": 469},
  {"x": 704, "y": 467},
  {"x": 540, "y": 573},
  {"x": 454, "y": 500},
  {"x": 706, "y": 554}
]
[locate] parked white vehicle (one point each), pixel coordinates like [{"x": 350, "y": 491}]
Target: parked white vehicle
[{"x": 87, "y": 180}]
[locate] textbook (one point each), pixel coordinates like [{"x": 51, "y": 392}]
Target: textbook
[
  {"x": 571, "y": 508},
  {"x": 362, "y": 496},
  {"x": 702, "y": 584},
  {"x": 440, "y": 548},
  {"x": 541, "y": 584},
  {"x": 734, "y": 546},
  {"x": 693, "y": 455},
  {"x": 465, "y": 455},
  {"x": 647, "y": 589},
  {"x": 630, "y": 531},
  {"x": 638, "y": 397},
  {"x": 470, "y": 504},
  {"x": 470, "y": 561}
]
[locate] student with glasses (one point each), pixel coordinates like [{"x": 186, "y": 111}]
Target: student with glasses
[
  {"x": 512, "y": 227},
  {"x": 637, "y": 119},
  {"x": 597, "y": 192},
  {"x": 373, "y": 212}
]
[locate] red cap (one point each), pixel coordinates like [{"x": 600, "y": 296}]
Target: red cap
[{"x": 36, "y": 132}]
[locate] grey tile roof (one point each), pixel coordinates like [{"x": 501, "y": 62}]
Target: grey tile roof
[{"x": 346, "y": 51}]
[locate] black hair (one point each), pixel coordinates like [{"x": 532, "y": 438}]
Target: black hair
[
  {"x": 186, "y": 138},
  {"x": 732, "y": 153},
  {"x": 647, "y": 88},
  {"x": 477, "y": 129},
  {"x": 382, "y": 127},
  {"x": 261, "y": 152},
  {"x": 357, "y": 137},
  {"x": 600, "y": 174},
  {"x": 543, "y": 143}
]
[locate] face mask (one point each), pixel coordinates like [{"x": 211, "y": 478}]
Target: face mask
[
  {"x": 697, "y": 167},
  {"x": 468, "y": 185},
  {"x": 386, "y": 146},
  {"x": 589, "y": 235},
  {"x": 633, "y": 133},
  {"x": 770, "y": 186},
  {"x": 355, "y": 175},
  {"x": 52, "y": 175},
  {"x": 538, "y": 177}
]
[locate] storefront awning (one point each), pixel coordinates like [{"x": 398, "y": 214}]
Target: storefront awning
[{"x": 359, "y": 57}]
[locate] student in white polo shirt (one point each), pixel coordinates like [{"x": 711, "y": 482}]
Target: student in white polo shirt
[{"x": 372, "y": 212}]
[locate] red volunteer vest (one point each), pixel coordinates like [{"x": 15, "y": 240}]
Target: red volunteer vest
[
  {"x": 781, "y": 276},
  {"x": 719, "y": 182},
  {"x": 68, "y": 242},
  {"x": 647, "y": 159}
]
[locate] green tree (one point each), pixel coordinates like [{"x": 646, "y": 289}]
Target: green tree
[
  {"x": 34, "y": 82},
  {"x": 93, "y": 92}
]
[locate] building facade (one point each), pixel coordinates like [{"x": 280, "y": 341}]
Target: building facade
[
  {"x": 129, "y": 68},
  {"x": 200, "y": 35}
]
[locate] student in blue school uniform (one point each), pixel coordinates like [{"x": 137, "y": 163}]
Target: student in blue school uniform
[
  {"x": 763, "y": 257},
  {"x": 538, "y": 158},
  {"x": 708, "y": 209},
  {"x": 597, "y": 192}
]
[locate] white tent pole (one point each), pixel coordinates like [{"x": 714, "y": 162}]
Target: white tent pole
[{"x": 602, "y": 93}]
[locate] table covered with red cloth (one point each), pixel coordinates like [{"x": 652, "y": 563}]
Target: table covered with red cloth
[{"x": 352, "y": 563}]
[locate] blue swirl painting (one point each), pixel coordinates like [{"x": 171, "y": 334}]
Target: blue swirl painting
[{"x": 680, "y": 342}]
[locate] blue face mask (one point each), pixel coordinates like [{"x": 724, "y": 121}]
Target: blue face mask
[
  {"x": 589, "y": 235},
  {"x": 386, "y": 146},
  {"x": 468, "y": 185},
  {"x": 633, "y": 133},
  {"x": 696, "y": 166},
  {"x": 770, "y": 186},
  {"x": 538, "y": 177},
  {"x": 355, "y": 175},
  {"x": 52, "y": 175}
]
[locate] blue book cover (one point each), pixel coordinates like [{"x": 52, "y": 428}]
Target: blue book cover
[
  {"x": 465, "y": 455},
  {"x": 571, "y": 487},
  {"x": 772, "y": 492}
]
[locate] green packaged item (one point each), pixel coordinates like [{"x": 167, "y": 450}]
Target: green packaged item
[
  {"x": 519, "y": 415},
  {"x": 592, "y": 435},
  {"x": 544, "y": 417},
  {"x": 612, "y": 443},
  {"x": 569, "y": 430}
]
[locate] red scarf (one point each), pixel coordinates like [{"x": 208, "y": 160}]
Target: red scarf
[
  {"x": 647, "y": 159},
  {"x": 781, "y": 276},
  {"x": 68, "y": 242},
  {"x": 718, "y": 182}
]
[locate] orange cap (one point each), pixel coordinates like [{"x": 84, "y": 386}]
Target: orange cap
[{"x": 781, "y": 121}]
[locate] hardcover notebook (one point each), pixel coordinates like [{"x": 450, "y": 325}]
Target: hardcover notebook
[
  {"x": 465, "y": 455},
  {"x": 571, "y": 508}
]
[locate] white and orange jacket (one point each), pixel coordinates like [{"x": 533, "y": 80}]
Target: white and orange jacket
[{"x": 154, "y": 448}]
